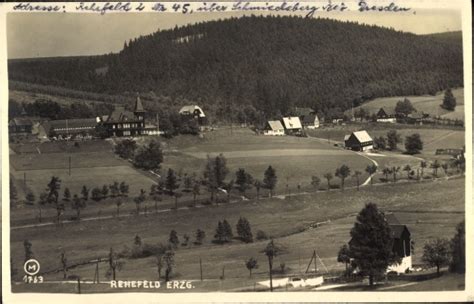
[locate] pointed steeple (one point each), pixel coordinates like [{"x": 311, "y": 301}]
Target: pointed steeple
[{"x": 138, "y": 106}]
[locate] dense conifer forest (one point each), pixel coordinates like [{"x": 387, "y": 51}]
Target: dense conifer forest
[{"x": 265, "y": 64}]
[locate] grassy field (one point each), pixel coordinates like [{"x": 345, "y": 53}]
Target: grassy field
[
  {"x": 426, "y": 104},
  {"x": 429, "y": 209}
]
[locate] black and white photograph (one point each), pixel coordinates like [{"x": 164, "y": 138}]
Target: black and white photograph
[{"x": 236, "y": 147}]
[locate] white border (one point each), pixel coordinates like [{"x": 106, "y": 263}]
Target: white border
[{"x": 466, "y": 295}]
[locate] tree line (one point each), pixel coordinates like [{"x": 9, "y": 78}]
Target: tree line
[{"x": 271, "y": 64}]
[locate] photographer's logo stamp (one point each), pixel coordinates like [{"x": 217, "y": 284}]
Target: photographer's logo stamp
[{"x": 31, "y": 268}]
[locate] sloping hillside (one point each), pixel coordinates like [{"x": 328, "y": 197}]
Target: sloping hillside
[{"x": 262, "y": 64}]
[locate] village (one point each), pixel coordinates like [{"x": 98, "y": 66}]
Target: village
[{"x": 303, "y": 149}]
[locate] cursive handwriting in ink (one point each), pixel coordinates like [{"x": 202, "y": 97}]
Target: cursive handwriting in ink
[
  {"x": 37, "y": 7},
  {"x": 105, "y": 7}
]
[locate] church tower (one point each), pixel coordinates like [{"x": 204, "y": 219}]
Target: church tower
[{"x": 138, "y": 110}]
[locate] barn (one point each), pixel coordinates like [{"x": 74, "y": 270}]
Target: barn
[
  {"x": 311, "y": 121},
  {"x": 274, "y": 128},
  {"x": 359, "y": 141},
  {"x": 386, "y": 115},
  {"x": 401, "y": 244},
  {"x": 292, "y": 125}
]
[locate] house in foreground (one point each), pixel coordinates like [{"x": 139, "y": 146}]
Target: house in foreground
[
  {"x": 292, "y": 125},
  {"x": 359, "y": 141},
  {"x": 401, "y": 244},
  {"x": 274, "y": 128}
]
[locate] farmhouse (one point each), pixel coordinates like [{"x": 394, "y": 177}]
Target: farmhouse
[
  {"x": 311, "y": 121},
  {"x": 274, "y": 127},
  {"x": 415, "y": 118},
  {"x": 401, "y": 244},
  {"x": 386, "y": 115},
  {"x": 22, "y": 125},
  {"x": 292, "y": 125},
  {"x": 194, "y": 112},
  {"x": 359, "y": 141}
]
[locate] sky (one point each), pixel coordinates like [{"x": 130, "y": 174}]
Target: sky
[{"x": 75, "y": 34}]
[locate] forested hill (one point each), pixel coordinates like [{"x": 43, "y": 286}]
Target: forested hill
[{"x": 266, "y": 63}]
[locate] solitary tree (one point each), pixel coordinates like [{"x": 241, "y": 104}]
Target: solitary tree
[
  {"x": 328, "y": 176},
  {"x": 114, "y": 189},
  {"x": 435, "y": 166},
  {"x": 173, "y": 239},
  {"x": 413, "y": 144},
  {"x": 458, "y": 249},
  {"x": 78, "y": 204},
  {"x": 270, "y": 179},
  {"x": 85, "y": 193},
  {"x": 393, "y": 139},
  {"x": 28, "y": 250},
  {"x": 271, "y": 251},
  {"x": 449, "y": 101},
  {"x": 243, "y": 180},
  {"x": 258, "y": 185},
  {"x": 357, "y": 175},
  {"x": 315, "y": 182},
  {"x": 407, "y": 169},
  {"x": 114, "y": 265},
  {"x": 372, "y": 242},
  {"x": 123, "y": 189},
  {"x": 215, "y": 173},
  {"x": 118, "y": 203},
  {"x": 168, "y": 259},
  {"x": 386, "y": 172},
  {"x": 423, "y": 165},
  {"x": 155, "y": 194},
  {"x": 67, "y": 194},
  {"x": 63, "y": 260},
  {"x": 30, "y": 198},
  {"x": 43, "y": 200},
  {"x": 200, "y": 235},
  {"x": 404, "y": 107},
  {"x": 395, "y": 171},
  {"x": 244, "y": 231},
  {"x": 53, "y": 196},
  {"x": 343, "y": 255},
  {"x": 228, "y": 235},
  {"x": 149, "y": 157},
  {"x": 437, "y": 253},
  {"x": 126, "y": 148},
  {"x": 343, "y": 172},
  {"x": 371, "y": 169},
  {"x": 139, "y": 200},
  {"x": 196, "y": 191},
  {"x": 251, "y": 264},
  {"x": 219, "y": 235}
]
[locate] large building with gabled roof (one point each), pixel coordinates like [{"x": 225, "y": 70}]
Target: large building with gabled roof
[{"x": 359, "y": 141}]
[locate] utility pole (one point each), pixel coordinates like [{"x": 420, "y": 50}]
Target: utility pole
[
  {"x": 200, "y": 267},
  {"x": 69, "y": 165}
]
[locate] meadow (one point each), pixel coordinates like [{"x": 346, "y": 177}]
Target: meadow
[
  {"x": 429, "y": 209},
  {"x": 427, "y": 104}
]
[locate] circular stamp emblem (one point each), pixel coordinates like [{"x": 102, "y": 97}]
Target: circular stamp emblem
[{"x": 31, "y": 267}]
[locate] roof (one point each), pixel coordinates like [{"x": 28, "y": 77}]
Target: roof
[
  {"x": 22, "y": 121},
  {"x": 139, "y": 106},
  {"x": 309, "y": 118},
  {"x": 390, "y": 111},
  {"x": 120, "y": 114},
  {"x": 397, "y": 230},
  {"x": 416, "y": 115},
  {"x": 391, "y": 219},
  {"x": 187, "y": 110},
  {"x": 346, "y": 137},
  {"x": 73, "y": 123},
  {"x": 275, "y": 125},
  {"x": 292, "y": 122},
  {"x": 362, "y": 136}
]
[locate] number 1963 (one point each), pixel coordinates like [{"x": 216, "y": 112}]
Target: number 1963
[{"x": 32, "y": 279}]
